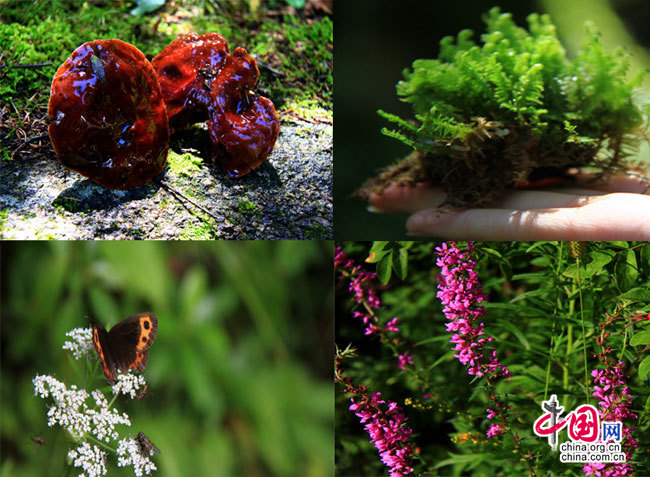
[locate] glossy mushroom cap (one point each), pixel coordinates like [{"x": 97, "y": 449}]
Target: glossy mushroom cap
[
  {"x": 201, "y": 81},
  {"x": 109, "y": 121},
  {"x": 242, "y": 139},
  {"x": 243, "y": 127},
  {"x": 183, "y": 68}
]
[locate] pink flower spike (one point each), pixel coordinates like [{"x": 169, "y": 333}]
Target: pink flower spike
[{"x": 460, "y": 293}]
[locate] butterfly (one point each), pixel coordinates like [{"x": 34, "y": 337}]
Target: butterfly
[
  {"x": 126, "y": 345},
  {"x": 147, "y": 448}
]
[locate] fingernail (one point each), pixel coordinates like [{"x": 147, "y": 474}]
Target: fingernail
[{"x": 374, "y": 210}]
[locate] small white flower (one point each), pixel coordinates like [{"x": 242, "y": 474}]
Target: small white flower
[
  {"x": 129, "y": 384},
  {"x": 81, "y": 344},
  {"x": 128, "y": 452},
  {"x": 90, "y": 459},
  {"x": 71, "y": 412}
]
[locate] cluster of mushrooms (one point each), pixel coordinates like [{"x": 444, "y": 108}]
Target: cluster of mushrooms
[{"x": 112, "y": 111}]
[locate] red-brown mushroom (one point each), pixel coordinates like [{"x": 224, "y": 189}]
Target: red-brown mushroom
[
  {"x": 201, "y": 81},
  {"x": 109, "y": 121},
  {"x": 243, "y": 127},
  {"x": 183, "y": 68},
  {"x": 243, "y": 139}
]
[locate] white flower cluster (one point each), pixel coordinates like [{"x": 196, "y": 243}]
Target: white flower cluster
[
  {"x": 68, "y": 408},
  {"x": 129, "y": 384},
  {"x": 81, "y": 344},
  {"x": 91, "y": 459},
  {"x": 72, "y": 413},
  {"x": 129, "y": 452}
]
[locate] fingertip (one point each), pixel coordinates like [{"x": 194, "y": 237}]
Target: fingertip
[{"x": 428, "y": 222}]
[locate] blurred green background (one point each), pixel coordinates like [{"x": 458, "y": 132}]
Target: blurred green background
[
  {"x": 376, "y": 40},
  {"x": 240, "y": 372}
]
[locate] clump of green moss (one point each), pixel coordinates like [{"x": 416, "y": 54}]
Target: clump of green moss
[{"x": 488, "y": 116}]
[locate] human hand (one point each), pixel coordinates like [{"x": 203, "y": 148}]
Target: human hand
[{"x": 617, "y": 210}]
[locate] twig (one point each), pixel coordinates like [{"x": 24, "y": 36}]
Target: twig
[
  {"x": 184, "y": 197},
  {"x": 32, "y": 65},
  {"x": 27, "y": 141},
  {"x": 35, "y": 138},
  {"x": 275, "y": 71}
]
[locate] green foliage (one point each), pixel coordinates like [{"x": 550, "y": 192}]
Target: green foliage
[
  {"x": 523, "y": 81},
  {"x": 239, "y": 376},
  {"x": 390, "y": 257}
]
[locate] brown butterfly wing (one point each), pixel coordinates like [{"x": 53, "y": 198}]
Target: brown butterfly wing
[
  {"x": 103, "y": 348},
  {"x": 130, "y": 340}
]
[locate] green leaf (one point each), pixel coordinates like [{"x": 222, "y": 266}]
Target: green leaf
[
  {"x": 400, "y": 262},
  {"x": 377, "y": 252},
  {"x": 626, "y": 269},
  {"x": 491, "y": 251},
  {"x": 297, "y": 4},
  {"x": 645, "y": 257},
  {"x": 384, "y": 268},
  {"x": 641, "y": 338},
  {"x": 516, "y": 332},
  {"x": 644, "y": 367},
  {"x": 378, "y": 246},
  {"x": 597, "y": 260},
  {"x": 636, "y": 294}
]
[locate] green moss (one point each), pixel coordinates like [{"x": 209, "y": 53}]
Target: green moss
[
  {"x": 70, "y": 205},
  {"x": 186, "y": 165},
  {"x": 301, "y": 51},
  {"x": 246, "y": 206},
  {"x": 317, "y": 232},
  {"x": 4, "y": 214},
  {"x": 39, "y": 32},
  {"x": 309, "y": 109},
  {"x": 485, "y": 116},
  {"x": 203, "y": 231}
]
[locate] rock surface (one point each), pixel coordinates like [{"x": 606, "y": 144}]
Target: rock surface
[{"x": 287, "y": 197}]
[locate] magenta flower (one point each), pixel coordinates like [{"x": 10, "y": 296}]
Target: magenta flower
[
  {"x": 460, "y": 293},
  {"x": 494, "y": 430},
  {"x": 363, "y": 293},
  {"x": 403, "y": 360},
  {"x": 614, "y": 401},
  {"x": 392, "y": 325},
  {"x": 387, "y": 430}
]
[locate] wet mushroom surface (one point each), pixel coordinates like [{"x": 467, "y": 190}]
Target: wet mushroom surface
[
  {"x": 200, "y": 81},
  {"x": 182, "y": 68},
  {"x": 108, "y": 117}
]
